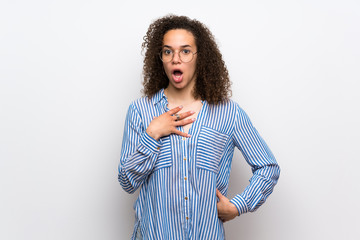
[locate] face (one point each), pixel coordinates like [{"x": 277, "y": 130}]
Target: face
[{"x": 181, "y": 74}]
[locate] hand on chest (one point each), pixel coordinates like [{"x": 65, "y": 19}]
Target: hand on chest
[{"x": 194, "y": 106}]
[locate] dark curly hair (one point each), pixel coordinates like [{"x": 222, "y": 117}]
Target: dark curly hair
[{"x": 212, "y": 78}]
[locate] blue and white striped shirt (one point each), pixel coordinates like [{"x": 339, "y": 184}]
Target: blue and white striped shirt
[{"x": 178, "y": 176}]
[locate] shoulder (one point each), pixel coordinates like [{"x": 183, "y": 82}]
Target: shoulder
[
  {"x": 227, "y": 112},
  {"x": 140, "y": 104},
  {"x": 222, "y": 116},
  {"x": 148, "y": 102}
]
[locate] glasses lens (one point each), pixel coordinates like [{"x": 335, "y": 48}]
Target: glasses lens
[
  {"x": 186, "y": 56},
  {"x": 166, "y": 55}
]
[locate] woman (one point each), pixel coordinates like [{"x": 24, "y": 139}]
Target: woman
[{"x": 179, "y": 139}]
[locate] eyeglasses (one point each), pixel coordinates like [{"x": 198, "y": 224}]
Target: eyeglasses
[{"x": 185, "y": 55}]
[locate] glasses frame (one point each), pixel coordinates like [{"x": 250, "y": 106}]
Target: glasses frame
[{"x": 161, "y": 51}]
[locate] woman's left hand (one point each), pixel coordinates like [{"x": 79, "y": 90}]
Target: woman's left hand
[{"x": 226, "y": 210}]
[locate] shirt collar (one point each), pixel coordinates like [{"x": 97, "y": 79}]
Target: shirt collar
[{"x": 158, "y": 97}]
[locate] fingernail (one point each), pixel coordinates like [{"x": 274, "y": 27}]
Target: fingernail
[
  {"x": 194, "y": 119},
  {"x": 188, "y": 135},
  {"x": 181, "y": 106},
  {"x": 192, "y": 112}
]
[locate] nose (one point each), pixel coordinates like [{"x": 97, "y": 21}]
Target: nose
[{"x": 176, "y": 57}]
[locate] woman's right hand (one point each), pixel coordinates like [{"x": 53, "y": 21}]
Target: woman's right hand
[{"x": 166, "y": 123}]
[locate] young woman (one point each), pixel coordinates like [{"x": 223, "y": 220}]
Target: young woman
[{"x": 179, "y": 139}]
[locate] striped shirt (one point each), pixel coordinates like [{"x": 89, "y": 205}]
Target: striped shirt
[{"x": 178, "y": 176}]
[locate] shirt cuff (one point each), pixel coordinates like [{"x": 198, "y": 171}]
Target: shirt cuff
[
  {"x": 149, "y": 145},
  {"x": 240, "y": 204}
]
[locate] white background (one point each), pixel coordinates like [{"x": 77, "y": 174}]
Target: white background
[{"x": 70, "y": 68}]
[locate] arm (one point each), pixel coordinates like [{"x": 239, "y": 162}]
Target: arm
[
  {"x": 265, "y": 169},
  {"x": 138, "y": 153}
]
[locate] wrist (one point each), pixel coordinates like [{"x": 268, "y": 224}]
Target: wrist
[
  {"x": 234, "y": 210},
  {"x": 152, "y": 134},
  {"x": 240, "y": 203}
]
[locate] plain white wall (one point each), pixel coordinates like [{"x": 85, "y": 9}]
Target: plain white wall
[{"x": 69, "y": 70}]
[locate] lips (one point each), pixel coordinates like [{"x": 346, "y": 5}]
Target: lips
[{"x": 177, "y": 75}]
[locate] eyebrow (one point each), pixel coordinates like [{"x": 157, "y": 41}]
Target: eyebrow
[{"x": 183, "y": 46}]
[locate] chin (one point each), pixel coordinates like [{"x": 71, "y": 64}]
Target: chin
[{"x": 179, "y": 85}]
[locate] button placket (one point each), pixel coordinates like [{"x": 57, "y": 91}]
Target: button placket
[{"x": 185, "y": 163}]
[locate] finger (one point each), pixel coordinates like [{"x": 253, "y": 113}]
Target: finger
[
  {"x": 175, "y": 110},
  {"x": 184, "y": 122},
  {"x": 178, "y": 132},
  {"x": 186, "y": 114},
  {"x": 218, "y": 194}
]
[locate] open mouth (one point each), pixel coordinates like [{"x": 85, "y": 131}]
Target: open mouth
[{"x": 177, "y": 75}]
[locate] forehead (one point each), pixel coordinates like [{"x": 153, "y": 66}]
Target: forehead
[{"x": 178, "y": 38}]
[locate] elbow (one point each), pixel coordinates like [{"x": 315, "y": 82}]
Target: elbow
[
  {"x": 124, "y": 180},
  {"x": 273, "y": 173},
  {"x": 276, "y": 173},
  {"x": 125, "y": 184},
  {"x": 270, "y": 173}
]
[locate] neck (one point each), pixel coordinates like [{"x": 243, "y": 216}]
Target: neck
[{"x": 179, "y": 96}]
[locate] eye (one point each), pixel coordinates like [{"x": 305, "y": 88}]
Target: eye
[
  {"x": 167, "y": 52},
  {"x": 186, "y": 51}
]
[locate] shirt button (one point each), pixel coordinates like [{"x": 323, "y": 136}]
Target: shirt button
[
  {"x": 184, "y": 159},
  {"x": 187, "y": 218},
  {"x": 186, "y": 198},
  {"x": 183, "y": 138},
  {"x": 158, "y": 148},
  {"x": 185, "y": 178}
]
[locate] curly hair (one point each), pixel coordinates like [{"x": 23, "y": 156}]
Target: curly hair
[{"x": 212, "y": 78}]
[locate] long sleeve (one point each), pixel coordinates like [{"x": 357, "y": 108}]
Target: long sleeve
[
  {"x": 139, "y": 152},
  {"x": 265, "y": 169}
]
